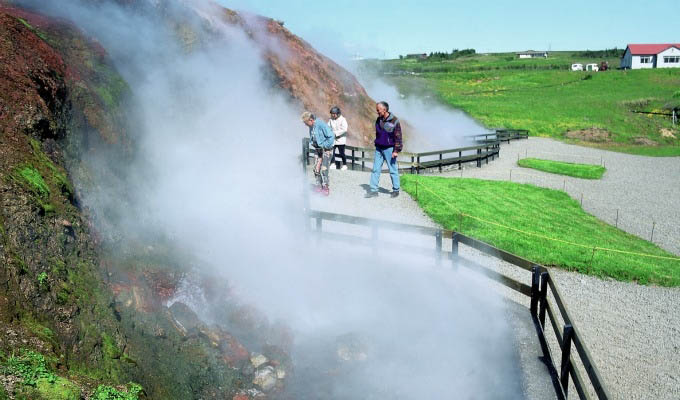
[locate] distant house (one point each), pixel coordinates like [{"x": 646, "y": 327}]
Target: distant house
[
  {"x": 532, "y": 54},
  {"x": 639, "y": 56},
  {"x": 417, "y": 55}
]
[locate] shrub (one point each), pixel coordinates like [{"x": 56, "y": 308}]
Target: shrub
[
  {"x": 105, "y": 392},
  {"x": 30, "y": 366}
]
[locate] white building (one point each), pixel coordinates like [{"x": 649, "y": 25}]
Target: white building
[
  {"x": 532, "y": 54},
  {"x": 639, "y": 56}
]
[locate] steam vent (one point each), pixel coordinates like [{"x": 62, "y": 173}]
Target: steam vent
[{"x": 151, "y": 234}]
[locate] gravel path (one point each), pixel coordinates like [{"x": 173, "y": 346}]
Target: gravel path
[
  {"x": 636, "y": 344},
  {"x": 644, "y": 190},
  {"x": 347, "y": 191}
]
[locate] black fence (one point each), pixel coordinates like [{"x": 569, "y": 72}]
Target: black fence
[
  {"x": 502, "y": 135},
  {"x": 540, "y": 291},
  {"x": 487, "y": 147}
]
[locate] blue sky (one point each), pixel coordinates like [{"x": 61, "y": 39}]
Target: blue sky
[{"x": 387, "y": 29}]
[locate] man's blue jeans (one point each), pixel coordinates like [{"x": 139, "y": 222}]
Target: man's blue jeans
[{"x": 384, "y": 155}]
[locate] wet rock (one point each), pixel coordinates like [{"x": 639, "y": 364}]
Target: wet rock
[
  {"x": 257, "y": 360},
  {"x": 159, "y": 332},
  {"x": 280, "y": 373},
  {"x": 233, "y": 351},
  {"x": 248, "y": 369},
  {"x": 184, "y": 316},
  {"x": 265, "y": 378},
  {"x": 351, "y": 347}
]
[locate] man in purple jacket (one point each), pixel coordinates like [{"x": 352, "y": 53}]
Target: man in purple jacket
[{"x": 388, "y": 144}]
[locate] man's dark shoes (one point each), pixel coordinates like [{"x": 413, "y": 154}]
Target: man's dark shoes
[
  {"x": 368, "y": 195},
  {"x": 394, "y": 194}
]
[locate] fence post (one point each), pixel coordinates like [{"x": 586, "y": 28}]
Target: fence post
[
  {"x": 479, "y": 158},
  {"x": 353, "y": 159},
  {"x": 374, "y": 238},
  {"x": 566, "y": 354},
  {"x": 362, "y": 160},
  {"x": 440, "y": 162},
  {"x": 454, "y": 249},
  {"x": 412, "y": 166},
  {"x": 617, "y": 218},
  {"x": 318, "y": 229},
  {"x": 418, "y": 166},
  {"x": 438, "y": 240},
  {"x": 535, "y": 279},
  {"x": 460, "y": 163},
  {"x": 543, "y": 298},
  {"x": 305, "y": 154}
]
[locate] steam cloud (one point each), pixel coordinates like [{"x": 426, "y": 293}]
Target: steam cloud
[{"x": 216, "y": 170}]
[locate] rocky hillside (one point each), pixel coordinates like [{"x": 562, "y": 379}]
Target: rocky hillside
[
  {"x": 312, "y": 79},
  {"x": 316, "y": 80},
  {"x": 82, "y": 316}
]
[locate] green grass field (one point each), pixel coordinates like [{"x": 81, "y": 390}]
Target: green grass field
[
  {"x": 584, "y": 171},
  {"x": 544, "y": 96},
  {"x": 540, "y": 213}
]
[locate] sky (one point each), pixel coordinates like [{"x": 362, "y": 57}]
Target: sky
[{"x": 374, "y": 29}]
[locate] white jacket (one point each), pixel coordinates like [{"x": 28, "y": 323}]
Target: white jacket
[{"x": 339, "y": 127}]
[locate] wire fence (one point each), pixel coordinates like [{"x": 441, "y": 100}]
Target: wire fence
[
  {"x": 658, "y": 232},
  {"x": 594, "y": 247}
]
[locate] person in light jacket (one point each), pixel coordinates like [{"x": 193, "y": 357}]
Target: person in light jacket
[
  {"x": 322, "y": 139},
  {"x": 338, "y": 124}
]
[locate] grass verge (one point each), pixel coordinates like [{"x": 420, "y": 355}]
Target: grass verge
[
  {"x": 494, "y": 212},
  {"x": 585, "y": 171}
]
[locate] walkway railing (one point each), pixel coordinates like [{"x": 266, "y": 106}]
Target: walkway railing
[
  {"x": 502, "y": 135},
  {"x": 488, "y": 147},
  {"x": 541, "y": 290}
]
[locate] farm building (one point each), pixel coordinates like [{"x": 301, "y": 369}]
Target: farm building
[
  {"x": 639, "y": 56},
  {"x": 532, "y": 54},
  {"x": 417, "y": 55}
]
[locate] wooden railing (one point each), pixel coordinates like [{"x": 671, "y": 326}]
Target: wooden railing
[
  {"x": 414, "y": 163},
  {"x": 502, "y": 135},
  {"x": 542, "y": 285},
  {"x": 487, "y": 147}
]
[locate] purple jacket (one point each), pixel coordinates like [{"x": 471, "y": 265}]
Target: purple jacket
[{"x": 388, "y": 133}]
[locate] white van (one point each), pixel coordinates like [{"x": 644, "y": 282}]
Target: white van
[
  {"x": 592, "y": 67},
  {"x": 577, "y": 67}
]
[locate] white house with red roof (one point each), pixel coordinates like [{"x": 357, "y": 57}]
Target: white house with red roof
[{"x": 639, "y": 56}]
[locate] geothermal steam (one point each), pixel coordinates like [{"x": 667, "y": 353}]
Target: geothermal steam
[{"x": 216, "y": 170}]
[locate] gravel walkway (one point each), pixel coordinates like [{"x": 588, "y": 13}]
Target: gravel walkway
[
  {"x": 644, "y": 190},
  {"x": 636, "y": 345},
  {"x": 347, "y": 191}
]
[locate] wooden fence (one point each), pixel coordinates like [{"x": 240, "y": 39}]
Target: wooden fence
[
  {"x": 542, "y": 285},
  {"x": 502, "y": 135},
  {"x": 488, "y": 147}
]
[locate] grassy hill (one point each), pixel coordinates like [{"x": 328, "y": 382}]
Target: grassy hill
[{"x": 546, "y": 97}]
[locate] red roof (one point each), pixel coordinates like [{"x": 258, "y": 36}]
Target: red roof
[{"x": 650, "y": 48}]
